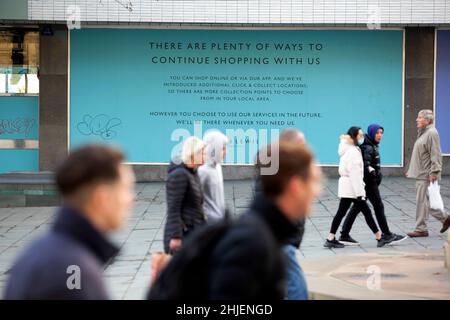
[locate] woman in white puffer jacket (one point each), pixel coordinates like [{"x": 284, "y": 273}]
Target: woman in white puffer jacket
[{"x": 351, "y": 185}]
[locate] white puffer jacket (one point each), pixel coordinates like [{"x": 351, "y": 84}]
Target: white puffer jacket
[{"x": 351, "y": 170}]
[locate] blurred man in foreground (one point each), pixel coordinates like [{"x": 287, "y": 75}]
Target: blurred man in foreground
[{"x": 68, "y": 261}]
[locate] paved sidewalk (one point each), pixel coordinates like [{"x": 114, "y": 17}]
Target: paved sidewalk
[{"x": 128, "y": 275}]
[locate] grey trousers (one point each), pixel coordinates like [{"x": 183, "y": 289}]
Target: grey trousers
[{"x": 423, "y": 206}]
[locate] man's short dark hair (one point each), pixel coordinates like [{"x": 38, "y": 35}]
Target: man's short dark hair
[
  {"x": 88, "y": 165},
  {"x": 294, "y": 160}
]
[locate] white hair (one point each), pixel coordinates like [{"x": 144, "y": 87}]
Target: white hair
[
  {"x": 192, "y": 146},
  {"x": 215, "y": 142},
  {"x": 427, "y": 114}
]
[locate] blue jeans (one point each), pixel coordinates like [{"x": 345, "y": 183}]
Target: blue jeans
[{"x": 295, "y": 279}]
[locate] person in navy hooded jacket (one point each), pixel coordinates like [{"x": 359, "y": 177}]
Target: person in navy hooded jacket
[{"x": 372, "y": 180}]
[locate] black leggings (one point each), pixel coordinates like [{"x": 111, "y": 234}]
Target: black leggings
[
  {"x": 373, "y": 194},
  {"x": 361, "y": 205}
]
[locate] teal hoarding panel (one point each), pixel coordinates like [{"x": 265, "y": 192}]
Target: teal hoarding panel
[
  {"x": 19, "y": 120},
  {"x": 133, "y": 87},
  {"x": 19, "y": 117},
  {"x": 24, "y": 160}
]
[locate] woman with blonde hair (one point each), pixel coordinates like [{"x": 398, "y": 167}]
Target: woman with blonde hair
[{"x": 184, "y": 195}]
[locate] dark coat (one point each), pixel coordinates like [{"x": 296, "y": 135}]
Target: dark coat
[
  {"x": 247, "y": 263},
  {"x": 296, "y": 239},
  {"x": 184, "y": 203},
  {"x": 41, "y": 272},
  {"x": 371, "y": 157}
]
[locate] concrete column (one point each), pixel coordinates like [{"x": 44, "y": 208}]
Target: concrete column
[
  {"x": 53, "y": 98},
  {"x": 419, "y": 81}
]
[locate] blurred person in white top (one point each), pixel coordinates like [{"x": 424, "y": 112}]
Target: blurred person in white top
[{"x": 211, "y": 175}]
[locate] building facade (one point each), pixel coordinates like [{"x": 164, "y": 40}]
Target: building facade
[{"x": 143, "y": 75}]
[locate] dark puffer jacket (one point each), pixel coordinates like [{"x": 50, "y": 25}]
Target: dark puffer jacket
[
  {"x": 371, "y": 157},
  {"x": 184, "y": 203}
]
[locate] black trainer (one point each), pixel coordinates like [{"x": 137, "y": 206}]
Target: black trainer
[
  {"x": 333, "y": 244},
  {"x": 398, "y": 238},
  {"x": 348, "y": 240},
  {"x": 385, "y": 239}
]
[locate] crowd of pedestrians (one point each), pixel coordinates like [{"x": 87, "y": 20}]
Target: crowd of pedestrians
[{"x": 210, "y": 253}]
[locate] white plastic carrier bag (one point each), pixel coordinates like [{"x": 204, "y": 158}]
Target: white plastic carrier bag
[{"x": 434, "y": 192}]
